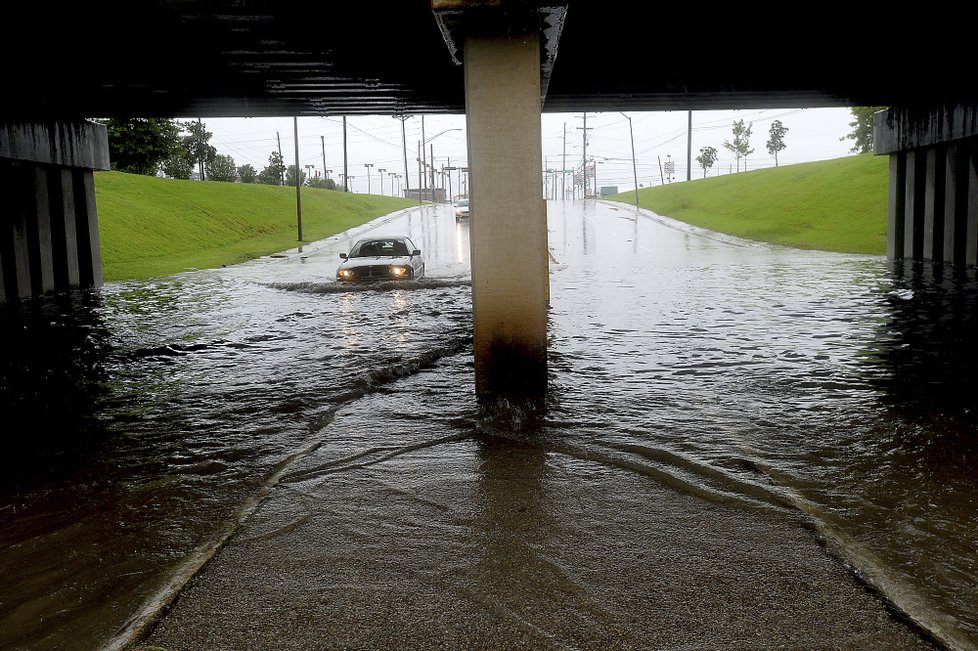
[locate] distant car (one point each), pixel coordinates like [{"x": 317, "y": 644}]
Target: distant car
[
  {"x": 381, "y": 258},
  {"x": 462, "y": 209}
]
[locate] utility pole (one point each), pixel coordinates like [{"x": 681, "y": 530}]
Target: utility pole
[
  {"x": 298, "y": 177},
  {"x": 281, "y": 171},
  {"x": 432, "y": 171},
  {"x": 407, "y": 181},
  {"x": 563, "y": 168},
  {"x": 346, "y": 185},
  {"x": 451, "y": 197},
  {"x": 424, "y": 162},
  {"x": 200, "y": 162},
  {"x": 661, "y": 177},
  {"x": 584, "y": 165},
  {"x": 420, "y": 182},
  {"x": 689, "y": 146},
  {"x": 323, "y": 141}
]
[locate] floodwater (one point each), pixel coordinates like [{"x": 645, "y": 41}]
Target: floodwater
[{"x": 145, "y": 420}]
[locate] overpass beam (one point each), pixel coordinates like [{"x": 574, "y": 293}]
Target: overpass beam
[
  {"x": 508, "y": 228},
  {"x": 48, "y": 224}
]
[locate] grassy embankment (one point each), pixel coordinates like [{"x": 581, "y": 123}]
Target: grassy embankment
[
  {"x": 153, "y": 227},
  {"x": 833, "y": 205}
]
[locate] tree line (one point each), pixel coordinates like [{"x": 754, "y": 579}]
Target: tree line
[
  {"x": 739, "y": 146},
  {"x": 152, "y": 146}
]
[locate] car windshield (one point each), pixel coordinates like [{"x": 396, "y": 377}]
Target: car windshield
[{"x": 388, "y": 247}]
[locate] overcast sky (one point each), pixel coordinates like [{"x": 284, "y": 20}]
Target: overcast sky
[{"x": 813, "y": 134}]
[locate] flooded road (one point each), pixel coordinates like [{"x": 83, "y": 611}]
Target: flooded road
[{"x": 145, "y": 420}]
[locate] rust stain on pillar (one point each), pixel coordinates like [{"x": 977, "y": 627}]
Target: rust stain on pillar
[{"x": 508, "y": 231}]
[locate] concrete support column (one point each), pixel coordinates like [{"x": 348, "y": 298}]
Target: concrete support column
[
  {"x": 913, "y": 210},
  {"x": 48, "y": 224},
  {"x": 954, "y": 223},
  {"x": 970, "y": 165},
  {"x": 934, "y": 187},
  {"x": 508, "y": 230},
  {"x": 897, "y": 193}
]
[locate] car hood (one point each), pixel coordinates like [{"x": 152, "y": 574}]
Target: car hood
[{"x": 372, "y": 260}]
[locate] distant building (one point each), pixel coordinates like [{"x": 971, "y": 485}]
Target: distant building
[
  {"x": 608, "y": 189},
  {"x": 426, "y": 194}
]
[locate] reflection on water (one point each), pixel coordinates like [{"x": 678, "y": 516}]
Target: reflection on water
[{"x": 759, "y": 378}]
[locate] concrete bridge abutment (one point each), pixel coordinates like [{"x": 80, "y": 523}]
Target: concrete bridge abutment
[
  {"x": 49, "y": 238},
  {"x": 933, "y": 183}
]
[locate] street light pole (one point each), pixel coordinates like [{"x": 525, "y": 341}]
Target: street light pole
[
  {"x": 368, "y": 166},
  {"x": 403, "y": 118},
  {"x": 346, "y": 187},
  {"x": 634, "y": 170},
  {"x": 298, "y": 178},
  {"x": 382, "y": 170},
  {"x": 426, "y": 141}
]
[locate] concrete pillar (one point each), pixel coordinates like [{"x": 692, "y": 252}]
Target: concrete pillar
[
  {"x": 48, "y": 224},
  {"x": 897, "y": 193},
  {"x": 970, "y": 164},
  {"x": 954, "y": 219},
  {"x": 508, "y": 229},
  {"x": 934, "y": 187}
]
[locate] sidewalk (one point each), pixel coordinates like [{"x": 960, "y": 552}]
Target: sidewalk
[{"x": 440, "y": 539}]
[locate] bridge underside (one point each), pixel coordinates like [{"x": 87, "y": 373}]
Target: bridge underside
[{"x": 223, "y": 58}]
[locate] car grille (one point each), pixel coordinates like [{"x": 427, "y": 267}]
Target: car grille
[{"x": 373, "y": 272}]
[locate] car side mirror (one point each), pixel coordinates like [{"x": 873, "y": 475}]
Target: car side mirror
[
  {"x": 416, "y": 252},
  {"x": 343, "y": 255}
]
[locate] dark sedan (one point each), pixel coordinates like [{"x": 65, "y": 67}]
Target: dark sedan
[{"x": 381, "y": 258}]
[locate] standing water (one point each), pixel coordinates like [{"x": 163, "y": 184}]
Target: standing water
[{"x": 142, "y": 419}]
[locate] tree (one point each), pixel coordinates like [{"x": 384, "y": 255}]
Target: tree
[
  {"x": 290, "y": 176},
  {"x": 862, "y": 129},
  {"x": 316, "y": 182},
  {"x": 706, "y": 159},
  {"x": 221, "y": 168},
  {"x": 197, "y": 144},
  {"x": 274, "y": 171},
  {"x": 178, "y": 165},
  {"x": 776, "y": 142},
  {"x": 140, "y": 145},
  {"x": 740, "y": 147},
  {"x": 247, "y": 174}
]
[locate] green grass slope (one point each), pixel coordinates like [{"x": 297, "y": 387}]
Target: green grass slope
[
  {"x": 834, "y": 205},
  {"x": 152, "y": 227}
]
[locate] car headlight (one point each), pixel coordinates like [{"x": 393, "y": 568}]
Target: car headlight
[
  {"x": 399, "y": 272},
  {"x": 345, "y": 273}
]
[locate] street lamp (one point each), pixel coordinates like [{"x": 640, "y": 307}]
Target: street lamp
[
  {"x": 368, "y": 166},
  {"x": 634, "y": 171},
  {"x": 427, "y": 140},
  {"x": 393, "y": 175},
  {"x": 309, "y": 171},
  {"x": 382, "y": 170}
]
